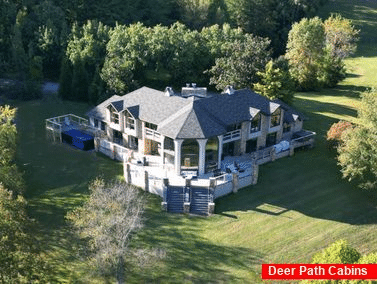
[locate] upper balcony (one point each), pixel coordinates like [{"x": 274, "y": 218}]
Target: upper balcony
[
  {"x": 232, "y": 136},
  {"x": 152, "y": 134}
]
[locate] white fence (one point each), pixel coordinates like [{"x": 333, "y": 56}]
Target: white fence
[
  {"x": 152, "y": 181},
  {"x": 137, "y": 175}
]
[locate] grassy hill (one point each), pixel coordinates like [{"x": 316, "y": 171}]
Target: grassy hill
[{"x": 299, "y": 206}]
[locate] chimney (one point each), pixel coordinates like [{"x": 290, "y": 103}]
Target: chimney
[
  {"x": 229, "y": 90},
  {"x": 193, "y": 90},
  {"x": 169, "y": 91}
]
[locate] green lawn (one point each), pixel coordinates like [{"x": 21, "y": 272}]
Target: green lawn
[{"x": 299, "y": 206}]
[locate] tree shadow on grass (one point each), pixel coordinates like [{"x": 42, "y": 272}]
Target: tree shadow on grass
[
  {"x": 321, "y": 115},
  {"x": 310, "y": 182},
  {"x": 191, "y": 258}
]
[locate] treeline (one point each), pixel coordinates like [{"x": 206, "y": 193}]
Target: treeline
[
  {"x": 124, "y": 58},
  {"x": 33, "y": 33},
  {"x": 101, "y": 61}
]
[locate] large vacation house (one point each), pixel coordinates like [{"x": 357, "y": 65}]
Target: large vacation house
[
  {"x": 192, "y": 130},
  {"x": 189, "y": 147}
]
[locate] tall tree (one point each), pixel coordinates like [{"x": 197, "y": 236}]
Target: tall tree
[
  {"x": 270, "y": 18},
  {"x": 9, "y": 174},
  {"x": 358, "y": 152},
  {"x": 241, "y": 62},
  {"x": 109, "y": 219},
  {"x": 85, "y": 55},
  {"x": 19, "y": 259},
  {"x": 341, "y": 38},
  {"x": 316, "y": 49},
  {"x": 306, "y": 41},
  {"x": 7, "y": 20},
  {"x": 276, "y": 82}
]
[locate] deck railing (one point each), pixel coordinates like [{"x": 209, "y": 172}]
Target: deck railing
[
  {"x": 152, "y": 134},
  {"x": 57, "y": 125},
  {"x": 232, "y": 135}
]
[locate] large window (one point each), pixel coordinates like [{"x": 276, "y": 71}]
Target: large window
[
  {"x": 129, "y": 121},
  {"x": 151, "y": 126},
  {"x": 275, "y": 118},
  {"x": 271, "y": 139},
  {"x": 169, "y": 144},
  {"x": 114, "y": 115},
  {"x": 255, "y": 123},
  {"x": 212, "y": 150},
  {"x": 251, "y": 145},
  {"x": 190, "y": 153}
]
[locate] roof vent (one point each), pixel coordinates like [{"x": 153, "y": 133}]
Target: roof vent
[
  {"x": 187, "y": 85},
  {"x": 169, "y": 91},
  {"x": 193, "y": 85},
  {"x": 229, "y": 90}
]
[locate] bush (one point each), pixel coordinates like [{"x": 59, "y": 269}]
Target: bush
[{"x": 334, "y": 135}]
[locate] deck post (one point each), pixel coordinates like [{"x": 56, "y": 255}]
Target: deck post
[
  {"x": 165, "y": 186},
  {"x": 187, "y": 191},
  {"x": 146, "y": 181},
  {"x": 255, "y": 172},
  {"x": 291, "y": 150},
  {"x": 177, "y": 156},
  {"x": 127, "y": 173},
  {"x": 273, "y": 154},
  {"x": 234, "y": 182},
  {"x": 211, "y": 193},
  {"x": 202, "y": 155}
]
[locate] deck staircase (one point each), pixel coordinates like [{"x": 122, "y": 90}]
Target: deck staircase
[
  {"x": 199, "y": 201},
  {"x": 197, "y": 198},
  {"x": 175, "y": 198}
]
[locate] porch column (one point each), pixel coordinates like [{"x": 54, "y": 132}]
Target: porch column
[
  {"x": 162, "y": 146},
  {"x": 177, "y": 156},
  {"x": 202, "y": 155},
  {"x": 220, "y": 151}
]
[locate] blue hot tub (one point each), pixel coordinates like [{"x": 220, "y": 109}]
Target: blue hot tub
[{"x": 78, "y": 139}]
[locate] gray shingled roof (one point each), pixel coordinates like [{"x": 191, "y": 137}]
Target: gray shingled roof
[
  {"x": 191, "y": 122},
  {"x": 118, "y": 105},
  {"x": 99, "y": 111},
  {"x": 178, "y": 117},
  {"x": 235, "y": 108}
]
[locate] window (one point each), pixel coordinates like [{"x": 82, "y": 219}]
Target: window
[
  {"x": 251, "y": 145},
  {"x": 275, "y": 118},
  {"x": 255, "y": 123},
  {"x": 271, "y": 139},
  {"x": 151, "y": 126},
  {"x": 286, "y": 127},
  {"x": 133, "y": 142},
  {"x": 129, "y": 121},
  {"x": 103, "y": 126},
  {"x": 169, "y": 144},
  {"x": 96, "y": 123},
  {"x": 114, "y": 115}
]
